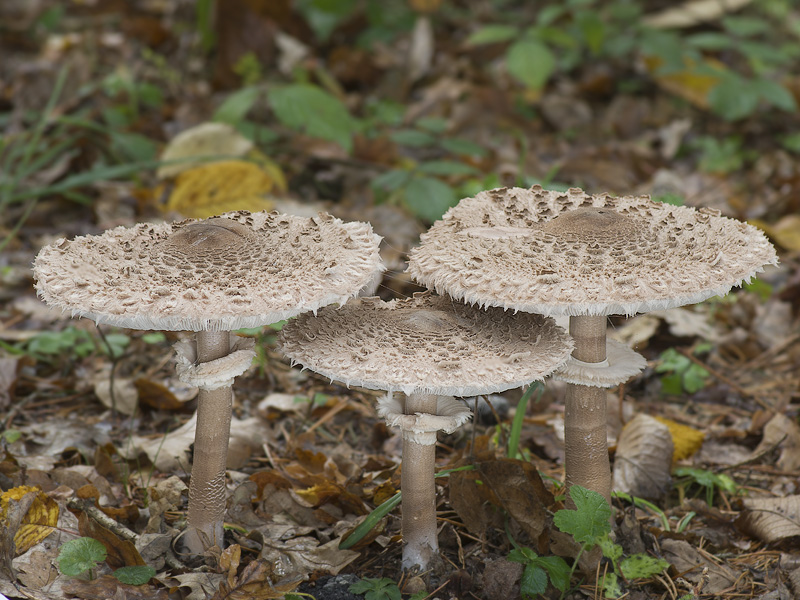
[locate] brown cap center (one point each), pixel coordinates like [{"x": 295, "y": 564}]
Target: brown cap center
[
  {"x": 209, "y": 235},
  {"x": 582, "y": 221}
]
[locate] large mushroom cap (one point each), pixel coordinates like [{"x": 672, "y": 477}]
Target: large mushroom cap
[
  {"x": 426, "y": 344},
  {"x": 571, "y": 253},
  {"x": 220, "y": 274}
]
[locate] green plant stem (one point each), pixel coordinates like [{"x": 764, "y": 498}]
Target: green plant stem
[{"x": 519, "y": 418}]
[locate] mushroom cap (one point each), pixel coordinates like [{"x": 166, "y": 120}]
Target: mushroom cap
[
  {"x": 219, "y": 274},
  {"x": 570, "y": 253},
  {"x": 427, "y": 345}
]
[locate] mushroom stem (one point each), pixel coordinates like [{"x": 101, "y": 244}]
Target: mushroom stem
[
  {"x": 207, "y": 485},
  {"x": 585, "y": 439},
  {"x": 417, "y": 482}
]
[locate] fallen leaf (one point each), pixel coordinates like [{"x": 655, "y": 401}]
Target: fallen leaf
[
  {"x": 691, "y": 563},
  {"x": 686, "y": 440},
  {"x": 224, "y": 186},
  {"x": 125, "y": 398},
  {"x": 303, "y": 555},
  {"x": 771, "y": 519},
  {"x": 200, "y": 143},
  {"x": 694, "y": 12},
  {"x": 29, "y": 514},
  {"x": 120, "y": 553},
  {"x": 643, "y": 460},
  {"x": 783, "y": 432},
  {"x": 108, "y": 586},
  {"x": 785, "y": 231}
]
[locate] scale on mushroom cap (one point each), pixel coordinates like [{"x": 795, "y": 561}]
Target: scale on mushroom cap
[
  {"x": 586, "y": 256},
  {"x": 431, "y": 349},
  {"x": 213, "y": 276}
]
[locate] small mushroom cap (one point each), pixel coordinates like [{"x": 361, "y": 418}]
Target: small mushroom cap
[
  {"x": 426, "y": 344},
  {"x": 557, "y": 253},
  {"x": 219, "y": 274}
]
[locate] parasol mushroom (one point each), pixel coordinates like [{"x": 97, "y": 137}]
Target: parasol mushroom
[
  {"x": 210, "y": 276},
  {"x": 431, "y": 349},
  {"x": 586, "y": 256}
]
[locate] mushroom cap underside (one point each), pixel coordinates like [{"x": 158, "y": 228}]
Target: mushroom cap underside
[
  {"x": 223, "y": 273},
  {"x": 426, "y": 344},
  {"x": 570, "y": 253}
]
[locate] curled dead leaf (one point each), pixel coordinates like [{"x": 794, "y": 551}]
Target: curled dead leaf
[
  {"x": 643, "y": 460},
  {"x": 771, "y": 519},
  {"x": 29, "y": 515}
]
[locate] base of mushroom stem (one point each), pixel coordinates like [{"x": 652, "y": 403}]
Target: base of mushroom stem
[
  {"x": 196, "y": 541},
  {"x": 422, "y": 558}
]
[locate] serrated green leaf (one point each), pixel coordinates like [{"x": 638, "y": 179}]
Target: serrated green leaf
[
  {"x": 611, "y": 586},
  {"x": 589, "y": 521},
  {"x": 446, "y": 167},
  {"x": 492, "y": 34},
  {"x": 533, "y": 581},
  {"x": 235, "y": 107},
  {"x": 79, "y": 555},
  {"x": 522, "y": 555},
  {"x": 412, "y": 137},
  {"x": 429, "y": 198},
  {"x": 308, "y": 108},
  {"x": 672, "y": 360},
  {"x": 531, "y": 62},
  {"x": 640, "y": 566},
  {"x": 137, "y": 575},
  {"x": 557, "y": 569}
]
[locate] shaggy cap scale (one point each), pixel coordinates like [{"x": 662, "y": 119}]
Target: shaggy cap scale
[
  {"x": 570, "y": 253},
  {"x": 218, "y": 274},
  {"x": 426, "y": 345}
]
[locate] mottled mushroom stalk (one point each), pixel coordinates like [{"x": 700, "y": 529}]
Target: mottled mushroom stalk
[
  {"x": 212, "y": 277},
  {"x": 585, "y": 423},
  {"x": 431, "y": 349}
]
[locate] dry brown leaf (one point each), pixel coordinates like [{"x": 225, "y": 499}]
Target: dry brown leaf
[
  {"x": 108, "y": 586},
  {"x": 643, "y": 460},
  {"x": 302, "y": 555},
  {"x": 200, "y": 142},
  {"x": 783, "y": 432},
  {"x": 786, "y": 231},
  {"x": 771, "y": 519},
  {"x": 694, "y": 12},
  {"x": 686, "y": 440},
  {"x": 469, "y": 500},
  {"x": 119, "y": 553},
  {"x": 29, "y": 515},
  {"x": 690, "y": 563},
  {"x": 520, "y": 490}
]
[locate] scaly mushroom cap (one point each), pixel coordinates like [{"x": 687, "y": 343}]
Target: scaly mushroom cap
[
  {"x": 570, "y": 253},
  {"x": 426, "y": 344},
  {"x": 219, "y": 274}
]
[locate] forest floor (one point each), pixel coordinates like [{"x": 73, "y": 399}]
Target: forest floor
[{"x": 414, "y": 105}]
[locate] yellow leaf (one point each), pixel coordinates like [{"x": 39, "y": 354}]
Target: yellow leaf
[
  {"x": 220, "y": 187},
  {"x": 687, "y": 83},
  {"x": 197, "y": 144},
  {"x": 686, "y": 440},
  {"x": 786, "y": 232},
  {"x": 38, "y": 521}
]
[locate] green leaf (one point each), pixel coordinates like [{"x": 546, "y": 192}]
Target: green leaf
[
  {"x": 429, "y": 198},
  {"x": 154, "y": 337},
  {"x": 775, "y": 94},
  {"x": 611, "y": 586},
  {"x": 432, "y": 124},
  {"x": 672, "y": 360},
  {"x": 235, "y": 107},
  {"x": 710, "y": 40},
  {"x": 391, "y": 180},
  {"x": 533, "y": 582},
  {"x": 492, "y": 34},
  {"x": 376, "y": 589},
  {"x": 589, "y": 521},
  {"x": 522, "y": 555},
  {"x": 447, "y": 167},
  {"x": 672, "y": 385},
  {"x": 134, "y": 146},
  {"x": 640, "y": 566},
  {"x": 308, "y": 108},
  {"x": 593, "y": 30},
  {"x": 138, "y": 575},
  {"x": 611, "y": 551},
  {"x": 733, "y": 98},
  {"x": 370, "y": 522},
  {"x": 557, "y": 569},
  {"x": 746, "y": 26},
  {"x": 463, "y": 147},
  {"x": 531, "y": 62},
  {"x": 79, "y": 555},
  {"x": 413, "y": 138},
  {"x": 695, "y": 378}
]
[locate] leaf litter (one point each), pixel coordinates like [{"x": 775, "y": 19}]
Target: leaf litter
[{"x": 311, "y": 460}]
